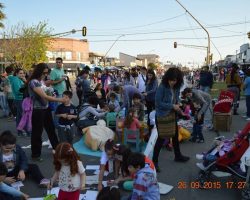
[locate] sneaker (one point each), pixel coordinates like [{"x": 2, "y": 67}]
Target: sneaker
[
  {"x": 181, "y": 158},
  {"x": 37, "y": 159},
  {"x": 200, "y": 141},
  {"x": 244, "y": 116},
  {"x": 248, "y": 119},
  {"x": 44, "y": 183},
  {"x": 201, "y": 166},
  {"x": 199, "y": 156}
]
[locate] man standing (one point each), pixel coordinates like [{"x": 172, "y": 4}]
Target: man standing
[
  {"x": 57, "y": 77},
  {"x": 141, "y": 83},
  {"x": 206, "y": 80}
]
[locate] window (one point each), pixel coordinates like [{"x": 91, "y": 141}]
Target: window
[
  {"x": 68, "y": 55},
  {"x": 78, "y": 56}
]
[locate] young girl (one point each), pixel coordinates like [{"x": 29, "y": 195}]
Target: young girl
[
  {"x": 69, "y": 171},
  {"x": 131, "y": 122},
  {"x": 107, "y": 160}
]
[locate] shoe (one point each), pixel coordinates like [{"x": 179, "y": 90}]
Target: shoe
[
  {"x": 44, "y": 183},
  {"x": 248, "y": 119},
  {"x": 181, "y": 158},
  {"x": 37, "y": 159},
  {"x": 244, "y": 116},
  {"x": 199, "y": 156},
  {"x": 201, "y": 166},
  {"x": 157, "y": 168},
  {"x": 200, "y": 141},
  {"x": 192, "y": 139}
]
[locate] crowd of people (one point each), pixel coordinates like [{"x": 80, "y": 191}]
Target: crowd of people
[{"x": 42, "y": 100}]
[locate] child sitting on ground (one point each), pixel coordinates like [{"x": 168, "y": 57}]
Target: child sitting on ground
[
  {"x": 145, "y": 182},
  {"x": 106, "y": 161},
  {"x": 138, "y": 106},
  {"x": 16, "y": 162},
  {"x": 111, "y": 116},
  {"x": 113, "y": 101},
  {"x": 69, "y": 171},
  {"x": 7, "y": 192},
  {"x": 66, "y": 113}
]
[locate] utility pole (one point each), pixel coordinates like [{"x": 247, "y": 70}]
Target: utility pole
[
  {"x": 104, "y": 58},
  {"x": 208, "y": 37}
]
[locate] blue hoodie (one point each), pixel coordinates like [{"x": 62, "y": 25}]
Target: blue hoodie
[{"x": 145, "y": 185}]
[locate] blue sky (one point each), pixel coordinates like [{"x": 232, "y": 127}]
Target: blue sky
[{"x": 116, "y": 17}]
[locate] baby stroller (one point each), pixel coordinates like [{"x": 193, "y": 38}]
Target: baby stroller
[{"x": 226, "y": 157}]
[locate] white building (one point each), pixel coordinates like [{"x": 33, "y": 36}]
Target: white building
[{"x": 128, "y": 60}]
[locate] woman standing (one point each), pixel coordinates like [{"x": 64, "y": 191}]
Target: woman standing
[
  {"x": 128, "y": 79},
  {"x": 17, "y": 83},
  {"x": 100, "y": 93},
  {"x": 151, "y": 87},
  {"x": 166, "y": 102},
  {"x": 233, "y": 82},
  {"x": 41, "y": 115}
]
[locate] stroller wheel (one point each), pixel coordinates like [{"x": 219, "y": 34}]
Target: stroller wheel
[{"x": 202, "y": 178}]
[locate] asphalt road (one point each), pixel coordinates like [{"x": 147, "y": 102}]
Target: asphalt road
[{"x": 173, "y": 173}]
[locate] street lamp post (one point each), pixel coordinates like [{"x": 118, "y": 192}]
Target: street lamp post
[
  {"x": 208, "y": 37},
  {"x": 111, "y": 48}
]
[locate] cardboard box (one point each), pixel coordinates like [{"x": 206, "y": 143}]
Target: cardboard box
[{"x": 222, "y": 121}]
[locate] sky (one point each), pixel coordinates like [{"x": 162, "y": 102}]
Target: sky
[{"x": 159, "y": 23}]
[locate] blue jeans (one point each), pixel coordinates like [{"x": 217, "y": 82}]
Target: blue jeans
[
  {"x": 4, "y": 105},
  {"x": 205, "y": 89},
  {"x": 197, "y": 131},
  {"x": 248, "y": 105}
]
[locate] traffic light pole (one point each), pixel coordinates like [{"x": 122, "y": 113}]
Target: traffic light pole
[{"x": 208, "y": 37}]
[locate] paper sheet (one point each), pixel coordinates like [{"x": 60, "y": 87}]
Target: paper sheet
[
  {"x": 54, "y": 191},
  {"x": 91, "y": 195},
  {"x": 92, "y": 167},
  {"x": 17, "y": 185}
]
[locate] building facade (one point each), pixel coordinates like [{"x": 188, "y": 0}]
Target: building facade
[{"x": 70, "y": 50}]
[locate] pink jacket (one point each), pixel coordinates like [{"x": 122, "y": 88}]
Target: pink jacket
[{"x": 26, "y": 120}]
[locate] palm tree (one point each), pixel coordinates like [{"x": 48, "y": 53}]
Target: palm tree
[{"x": 2, "y": 15}]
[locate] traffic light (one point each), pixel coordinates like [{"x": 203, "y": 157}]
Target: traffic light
[
  {"x": 175, "y": 44},
  {"x": 211, "y": 57},
  {"x": 248, "y": 34},
  {"x": 84, "y": 31}
]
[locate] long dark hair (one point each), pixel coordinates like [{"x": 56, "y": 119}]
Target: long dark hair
[
  {"x": 173, "y": 73},
  {"x": 234, "y": 71},
  {"x": 150, "y": 71},
  {"x": 38, "y": 71},
  {"x": 129, "y": 118}
]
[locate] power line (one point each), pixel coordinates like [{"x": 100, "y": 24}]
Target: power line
[
  {"x": 174, "y": 30},
  {"x": 176, "y": 38},
  {"x": 139, "y": 26}
]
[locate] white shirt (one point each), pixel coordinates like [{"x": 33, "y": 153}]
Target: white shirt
[
  {"x": 68, "y": 182},
  {"x": 8, "y": 160},
  {"x": 104, "y": 160},
  {"x": 141, "y": 82}
]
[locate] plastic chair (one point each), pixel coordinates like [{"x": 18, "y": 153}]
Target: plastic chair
[
  {"x": 111, "y": 120},
  {"x": 133, "y": 137}
]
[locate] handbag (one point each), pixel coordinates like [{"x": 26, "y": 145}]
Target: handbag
[{"x": 167, "y": 125}]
